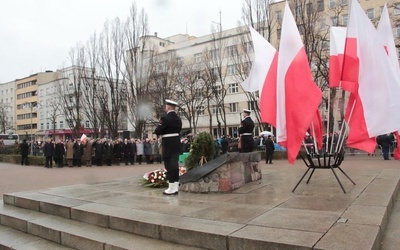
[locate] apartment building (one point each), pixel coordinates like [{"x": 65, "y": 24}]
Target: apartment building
[{"x": 7, "y": 107}]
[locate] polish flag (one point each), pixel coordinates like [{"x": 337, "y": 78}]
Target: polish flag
[
  {"x": 371, "y": 111},
  {"x": 298, "y": 97},
  {"x": 338, "y": 40},
  {"x": 386, "y": 34},
  {"x": 316, "y": 129},
  {"x": 262, "y": 76}
]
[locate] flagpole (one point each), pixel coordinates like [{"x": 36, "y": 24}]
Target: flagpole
[{"x": 328, "y": 123}]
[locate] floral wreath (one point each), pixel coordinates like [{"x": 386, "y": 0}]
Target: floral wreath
[{"x": 158, "y": 178}]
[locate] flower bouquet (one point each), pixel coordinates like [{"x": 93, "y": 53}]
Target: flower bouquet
[{"x": 158, "y": 178}]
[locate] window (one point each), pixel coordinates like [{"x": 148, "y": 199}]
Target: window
[
  {"x": 322, "y": 25},
  {"x": 248, "y": 47},
  {"x": 345, "y": 18},
  {"x": 343, "y": 2},
  {"x": 214, "y": 109},
  {"x": 87, "y": 124},
  {"x": 231, "y": 70},
  {"x": 233, "y": 107},
  {"x": 332, "y": 4},
  {"x": 197, "y": 58},
  {"x": 371, "y": 14},
  {"x": 334, "y": 21},
  {"x": 325, "y": 45},
  {"x": 309, "y": 9},
  {"x": 279, "y": 15},
  {"x": 231, "y": 51},
  {"x": 215, "y": 72},
  {"x": 278, "y": 33},
  {"x": 396, "y": 10},
  {"x": 47, "y": 126},
  {"x": 61, "y": 125},
  {"x": 198, "y": 75},
  {"x": 200, "y": 110},
  {"x": 397, "y": 31},
  {"x": 214, "y": 54},
  {"x": 251, "y": 105},
  {"x": 299, "y": 11},
  {"x": 233, "y": 88},
  {"x": 320, "y": 5}
]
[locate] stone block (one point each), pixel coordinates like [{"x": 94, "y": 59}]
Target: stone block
[
  {"x": 90, "y": 217},
  {"x": 225, "y": 185},
  {"x": 44, "y": 232},
  {"x": 13, "y": 222},
  {"x": 78, "y": 242}
]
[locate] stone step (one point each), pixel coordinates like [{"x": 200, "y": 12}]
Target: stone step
[
  {"x": 44, "y": 230},
  {"x": 200, "y": 233},
  {"x": 14, "y": 239}
]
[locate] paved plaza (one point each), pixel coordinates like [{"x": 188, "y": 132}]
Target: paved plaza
[{"x": 265, "y": 214}]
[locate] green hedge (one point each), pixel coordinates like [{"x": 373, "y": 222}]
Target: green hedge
[{"x": 16, "y": 159}]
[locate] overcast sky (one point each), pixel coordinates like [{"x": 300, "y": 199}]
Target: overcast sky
[{"x": 36, "y": 35}]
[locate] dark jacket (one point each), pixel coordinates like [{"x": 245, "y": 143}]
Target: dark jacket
[
  {"x": 59, "y": 150},
  {"x": 170, "y": 124},
  {"x": 78, "y": 151},
  {"x": 24, "y": 148},
  {"x": 48, "y": 149},
  {"x": 247, "y": 127}
]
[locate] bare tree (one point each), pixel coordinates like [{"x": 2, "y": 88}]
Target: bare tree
[
  {"x": 139, "y": 61},
  {"x": 4, "y": 122},
  {"x": 111, "y": 65},
  {"x": 192, "y": 92}
]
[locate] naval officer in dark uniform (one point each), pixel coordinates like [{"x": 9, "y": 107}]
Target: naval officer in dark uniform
[
  {"x": 246, "y": 132},
  {"x": 169, "y": 129}
]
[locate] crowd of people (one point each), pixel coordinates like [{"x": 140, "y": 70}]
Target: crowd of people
[{"x": 99, "y": 152}]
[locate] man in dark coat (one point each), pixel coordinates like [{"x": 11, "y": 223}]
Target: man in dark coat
[
  {"x": 269, "y": 150},
  {"x": 24, "y": 149},
  {"x": 224, "y": 145},
  {"x": 385, "y": 141},
  {"x": 169, "y": 129},
  {"x": 246, "y": 132},
  {"x": 78, "y": 152},
  {"x": 59, "y": 152},
  {"x": 48, "y": 150}
]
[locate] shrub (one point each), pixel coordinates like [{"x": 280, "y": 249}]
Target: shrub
[{"x": 203, "y": 145}]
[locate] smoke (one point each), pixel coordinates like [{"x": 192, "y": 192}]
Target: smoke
[{"x": 144, "y": 111}]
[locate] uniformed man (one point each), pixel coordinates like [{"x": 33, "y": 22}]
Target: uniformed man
[
  {"x": 169, "y": 129},
  {"x": 246, "y": 132}
]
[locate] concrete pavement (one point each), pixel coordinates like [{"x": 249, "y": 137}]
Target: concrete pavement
[{"x": 264, "y": 213}]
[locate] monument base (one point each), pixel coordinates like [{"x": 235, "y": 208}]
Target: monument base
[{"x": 224, "y": 175}]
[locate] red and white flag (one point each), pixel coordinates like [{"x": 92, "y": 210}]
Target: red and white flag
[
  {"x": 262, "y": 76},
  {"x": 298, "y": 97},
  {"x": 371, "y": 110},
  {"x": 338, "y": 40}
]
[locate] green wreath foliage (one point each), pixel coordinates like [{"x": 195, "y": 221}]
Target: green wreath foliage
[{"x": 203, "y": 145}]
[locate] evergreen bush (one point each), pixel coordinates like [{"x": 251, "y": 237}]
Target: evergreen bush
[{"x": 202, "y": 146}]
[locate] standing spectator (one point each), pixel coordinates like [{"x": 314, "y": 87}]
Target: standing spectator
[
  {"x": 117, "y": 151},
  {"x": 185, "y": 145},
  {"x": 59, "y": 152},
  {"x": 78, "y": 152},
  {"x": 147, "y": 150},
  {"x": 269, "y": 150},
  {"x": 385, "y": 141},
  {"x": 126, "y": 151},
  {"x": 99, "y": 151},
  {"x": 224, "y": 145},
  {"x": 24, "y": 150},
  {"x": 69, "y": 156},
  {"x": 88, "y": 152},
  {"x": 157, "y": 149},
  {"x": 139, "y": 151},
  {"x": 133, "y": 150},
  {"x": 108, "y": 152},
  {"x": 48, "y": 150},
  {"x": 169, "y": 129}
]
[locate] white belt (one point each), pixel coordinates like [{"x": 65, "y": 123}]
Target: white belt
[
  {"x": 247, "y": 134},
  {"x": 170, "y": 135}
]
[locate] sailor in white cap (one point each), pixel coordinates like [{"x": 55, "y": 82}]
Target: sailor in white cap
[
  {"x": 169, "y": 129},
  {"x": 246, "y": 132}
]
